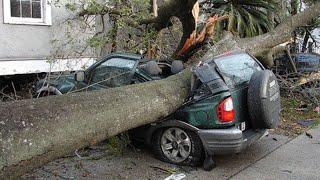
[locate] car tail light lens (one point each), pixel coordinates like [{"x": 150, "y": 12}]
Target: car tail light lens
[{"x": 225, "y": 111}]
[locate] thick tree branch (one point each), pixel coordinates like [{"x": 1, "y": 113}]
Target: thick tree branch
[
  {"x": 33, "y": 132},
  {"x": 281, "y": 33},
  {"x": 260, "y": 44}
]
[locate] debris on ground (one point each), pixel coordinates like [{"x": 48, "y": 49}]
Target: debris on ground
[
  {"x": 309, "y": 135},
  {"x": 295, "y": 120},
  {"x": 306, "y": 122},
  {"x": 287, "y": 171},
  {"x": 302, "y": 109},
  {"x": 176, "y": 177},
  {"x": 169, "y": 171}
]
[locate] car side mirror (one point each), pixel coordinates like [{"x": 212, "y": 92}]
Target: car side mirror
[{"x": 79, "y": 76}]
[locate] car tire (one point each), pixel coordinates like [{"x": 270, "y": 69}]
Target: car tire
[
  {"x": 46, "y": 94},
  {"x": 192, "y": 153},
  {"x": 139, "y": 144},
  {"x": 264, "y": 100}
]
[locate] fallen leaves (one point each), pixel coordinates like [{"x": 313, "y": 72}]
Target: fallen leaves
[{"x": 296, "y": 116}]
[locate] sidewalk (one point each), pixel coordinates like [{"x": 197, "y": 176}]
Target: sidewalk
[{"x": 298, "y": 159}]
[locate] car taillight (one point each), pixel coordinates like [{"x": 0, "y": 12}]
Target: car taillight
[{"x": 225, "y": 111}]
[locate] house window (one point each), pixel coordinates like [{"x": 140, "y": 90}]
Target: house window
[{"x": 36, "y": 12}]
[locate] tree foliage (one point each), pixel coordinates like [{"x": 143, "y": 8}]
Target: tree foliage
[
  {"x": 247, "y": 18},
  {"x": 112, "y": 23}
]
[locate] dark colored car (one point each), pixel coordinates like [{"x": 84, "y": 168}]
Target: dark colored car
[
  {"x": 307, "y": 62},
  {"x": 114, "y": 70},
  {"x": 304, "y": 62},
  {"x": 233, "y": 101}
]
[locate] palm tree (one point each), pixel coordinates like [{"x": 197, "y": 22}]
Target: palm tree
[{"x": 247, "y": 18}]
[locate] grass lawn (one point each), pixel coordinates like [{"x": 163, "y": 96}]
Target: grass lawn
[{"x": 293, "y": 110}]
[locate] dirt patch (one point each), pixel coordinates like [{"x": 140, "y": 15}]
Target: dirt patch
[{"x": 17, "y": 87}]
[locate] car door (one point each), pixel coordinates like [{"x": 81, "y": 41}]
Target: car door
[{"x": 114, "y": 72}]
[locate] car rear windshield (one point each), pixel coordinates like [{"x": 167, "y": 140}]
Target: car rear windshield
[{"x": 237, "y": 69}]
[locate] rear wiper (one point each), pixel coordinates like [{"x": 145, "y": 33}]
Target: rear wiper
[
  {"x": 231, "y": 76},
  {"x": 219, "y": 72}
]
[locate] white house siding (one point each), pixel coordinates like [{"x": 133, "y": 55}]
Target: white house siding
[{"x": 26, "y": 48}]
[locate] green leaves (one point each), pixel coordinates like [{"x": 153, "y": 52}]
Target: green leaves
[
  {"x": 106, "y": 22},
  {"x": 93, "y": 7},
  {"x": 71, "y": 6},
  {"x": 96, "y": 41},
  {"x": 247, "y": 18}
]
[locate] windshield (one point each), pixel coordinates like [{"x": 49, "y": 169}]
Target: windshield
[
  {"x": 237, "y": 69},
  {"x": 120, "y": 63},
  {"x": 113, "y": 72}
]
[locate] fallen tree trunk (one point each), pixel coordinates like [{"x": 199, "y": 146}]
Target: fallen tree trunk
[{"x": 34, "y": 132}]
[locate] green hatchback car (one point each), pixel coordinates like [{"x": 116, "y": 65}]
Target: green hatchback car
[
  {"x": 232, "y": 103},
  {"x": 114, "y": 70}
]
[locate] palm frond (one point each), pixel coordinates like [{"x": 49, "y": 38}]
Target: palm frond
[{"x": 246, "y": 17}]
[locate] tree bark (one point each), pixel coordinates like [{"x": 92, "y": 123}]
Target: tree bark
[
  {"x": 34, "y": 132},
  {"x": 281, "y": 34},
  {"x": 155, "y": 8}
]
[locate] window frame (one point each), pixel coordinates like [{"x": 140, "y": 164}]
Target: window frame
[{"x": 45, "y": 19}]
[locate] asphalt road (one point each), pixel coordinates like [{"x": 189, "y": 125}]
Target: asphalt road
[{"x": 142, "y": 165}]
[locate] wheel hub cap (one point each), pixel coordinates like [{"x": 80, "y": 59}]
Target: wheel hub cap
[{"x": 176, "y": 144}]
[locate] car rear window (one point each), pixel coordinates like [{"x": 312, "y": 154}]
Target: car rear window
[{"x": 237, "y": 69}]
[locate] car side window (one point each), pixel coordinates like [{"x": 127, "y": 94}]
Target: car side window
[
  {"x": 113, "y": 73},
  {"x": 307, "y": 62}
]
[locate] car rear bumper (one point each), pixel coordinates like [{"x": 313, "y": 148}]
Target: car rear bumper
[{"x": 228, "y": 141}]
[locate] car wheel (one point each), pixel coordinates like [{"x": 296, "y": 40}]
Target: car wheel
[
  {"x": 178, "y": 146},
  {"x": 45, "y": 94}
]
